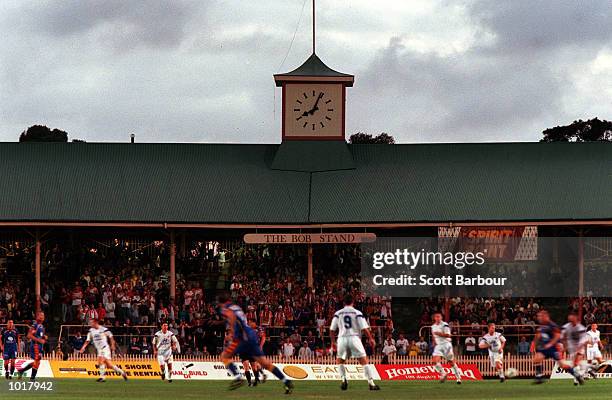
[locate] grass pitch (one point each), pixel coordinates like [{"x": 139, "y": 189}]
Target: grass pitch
[{"x": 217, "y": 390}]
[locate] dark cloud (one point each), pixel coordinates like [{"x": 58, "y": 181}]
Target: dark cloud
[
  {"x": 514, "y": 76},
  {"x": 202, "y": 70},
  {"x": 121, "y": 23},
  {"x": 536, "y": 25},
  {"x": 450, "y": 98}
]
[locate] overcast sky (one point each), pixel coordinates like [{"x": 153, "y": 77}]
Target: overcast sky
[{"x": 201, "y": 71}]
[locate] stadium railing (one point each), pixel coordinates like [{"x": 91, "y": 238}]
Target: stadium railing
[
  {"x": 512, "y": 333},
  {"x": 124, "y": 334}
]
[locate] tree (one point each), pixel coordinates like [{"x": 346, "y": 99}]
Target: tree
[
  {"x": 41, "y": 133},
  {"x": 580, "y": 131},
  {"x": 366, "y": 138}
]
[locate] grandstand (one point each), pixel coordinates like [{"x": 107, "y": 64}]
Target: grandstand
[{"x": 137, "y": 234}]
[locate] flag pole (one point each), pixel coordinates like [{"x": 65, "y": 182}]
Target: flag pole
[{"x": 313, "y": 26}]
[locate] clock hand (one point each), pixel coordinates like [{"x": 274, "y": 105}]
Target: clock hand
[
  {"x": 316, "y": 107},
  {"x": 317, "y": 102}
]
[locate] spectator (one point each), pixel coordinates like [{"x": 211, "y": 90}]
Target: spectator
[
  {"x": 402, "y": 345},
  {"x": 66, "y": 305},
  {"x": 305, "y": 353},
  {"x": 101, "y": 312},
  {"x": 90, "y": 314},
  {"x": 413, "y": 349},
  {"x": 110, "y": 309},
  {"x": 134, "y": 347},
  {"x": 76, "y": 295},
  {"x": 76, "y": 342},
  {"x": 288, "y": 349},
  {"x": 295, "y": 338},
  {"x": 470, "y": 345},
  {"x": 423, "y": 346},
  {"x": 145, "y": 346},
  {"x": 389, "y": 350},
  {"x": 523, "y": 346}
]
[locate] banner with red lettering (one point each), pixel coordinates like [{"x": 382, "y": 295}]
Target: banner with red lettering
[
  {"x": 499, "y": 244},
  {"x": 424, "y": 372}
]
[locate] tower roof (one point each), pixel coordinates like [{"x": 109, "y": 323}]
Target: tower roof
[{"x": 313, "y": 67}]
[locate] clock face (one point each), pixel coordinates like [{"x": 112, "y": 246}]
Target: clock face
[{"x": 313, "y": 110}]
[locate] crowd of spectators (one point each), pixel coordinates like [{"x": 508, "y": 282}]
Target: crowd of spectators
[{"x": 127, "y": 287}]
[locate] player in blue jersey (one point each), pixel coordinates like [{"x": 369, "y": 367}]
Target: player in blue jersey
[
  {"x": 9, "y": 342},
  {"x": 244, "y": 342},
  {"x": 548, "y": 345},
  {"x": 37, "y": 338},
  {"x": 252, "y": 367}
]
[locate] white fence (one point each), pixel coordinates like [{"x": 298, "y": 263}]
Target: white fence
[{"x": 523, "y": 363}]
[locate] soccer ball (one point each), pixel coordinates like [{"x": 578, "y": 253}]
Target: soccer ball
[{"x": 511, "y": 373}]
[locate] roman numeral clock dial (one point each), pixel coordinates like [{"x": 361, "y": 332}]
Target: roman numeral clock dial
[{"x": 313, "y": 110}]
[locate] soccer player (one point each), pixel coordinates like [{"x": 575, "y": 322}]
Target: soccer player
[
  {"x": 37, "y": 338},
  {"x": 594, "y": 356},
  {"x": 574, "y": 338},
  {"x": 248, "y": 363},
  {"x": 350, "y": 323},
  {"x": 443, "y": 349},
  {"x": 105, "y": 345},
  {"x": 257, "y": 370},
  {"x": 245, "y": 342},
  {"x": 164, "y": 343},
  {"x": 548, "y": 345},
  {"x": 495, "y": 343},
  {"x": 8, "y": 345}
]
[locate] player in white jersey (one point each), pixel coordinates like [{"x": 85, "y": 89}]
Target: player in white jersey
[
  {"x": 495, "y": 343},
  {"x": 443, "y": 349},
  {"x": 105, "y": 345},
  {"x": 350, "y": 323},
  {"x": 574, "y": 338},
  {"x": 594, "y": 346},
  {"x": 164, "y": 343}
]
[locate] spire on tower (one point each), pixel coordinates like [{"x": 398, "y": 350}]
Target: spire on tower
[{"x": 314, "y": 27}]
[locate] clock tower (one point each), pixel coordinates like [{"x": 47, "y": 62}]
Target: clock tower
[{"x": 314, "y": 97}]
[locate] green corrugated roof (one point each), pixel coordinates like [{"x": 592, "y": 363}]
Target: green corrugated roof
[
  {"x": 469, "y": 182},
  {"x": 222, "y": 183},
  {"x": 313, "y": 156}
]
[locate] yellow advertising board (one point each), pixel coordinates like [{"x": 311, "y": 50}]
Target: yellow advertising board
[{"x": 84, "y": 369}]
